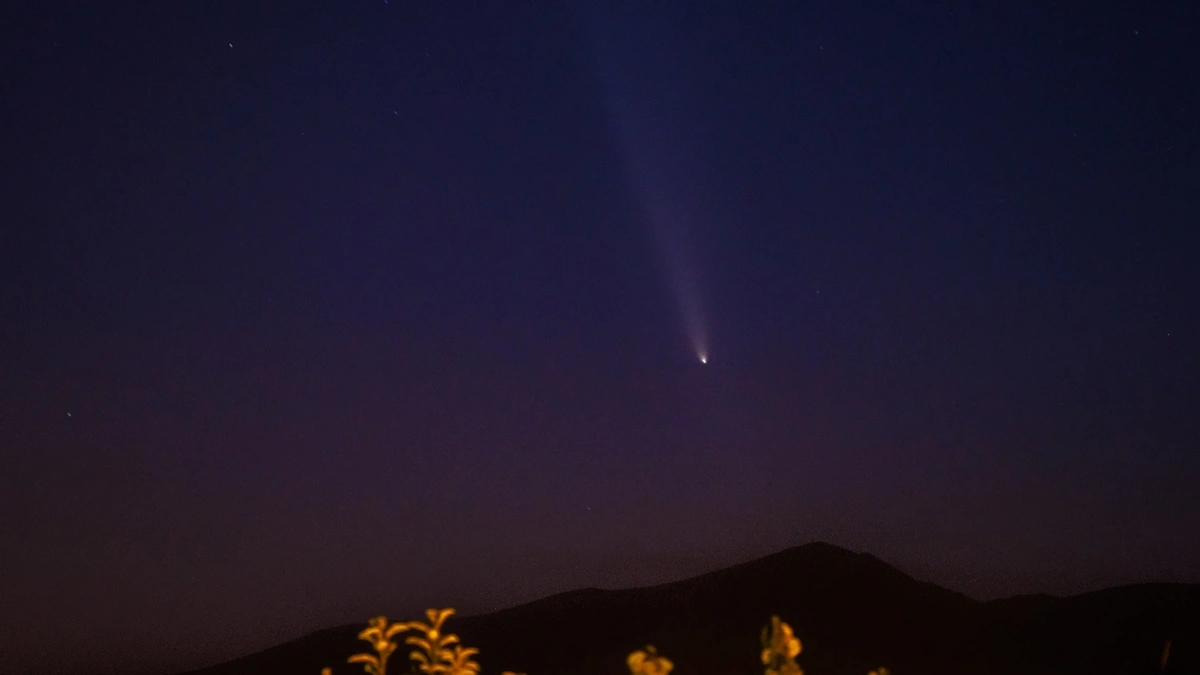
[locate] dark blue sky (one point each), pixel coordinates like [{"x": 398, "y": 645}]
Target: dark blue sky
[{"x": 310, "y": 311}]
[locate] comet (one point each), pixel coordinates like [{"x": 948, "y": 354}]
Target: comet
[{"x": 658, "y": 120}]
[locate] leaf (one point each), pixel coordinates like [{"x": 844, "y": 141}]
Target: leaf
[
  {"x": 448, "y": 639},
  {"x": 419, "y": 641},
  {"x": 438, "y": 616},
  {"x": 397, "y": 628}
]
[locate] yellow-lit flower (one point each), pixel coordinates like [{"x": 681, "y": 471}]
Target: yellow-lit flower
[
  {"x": 433, "y": 654},
  {"x": 648, "y": 662},
  {"x": 374, "y": 633},
  {"x": 780, "y": 648},
  {"x": 460, "y": 661},
  {"x": 380, "y": 635}
]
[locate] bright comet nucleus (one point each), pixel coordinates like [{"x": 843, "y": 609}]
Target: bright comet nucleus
[{"x": 703, "y": 357}]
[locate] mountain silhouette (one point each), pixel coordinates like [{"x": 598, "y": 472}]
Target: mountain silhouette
[{"x": 852, "y": 612}]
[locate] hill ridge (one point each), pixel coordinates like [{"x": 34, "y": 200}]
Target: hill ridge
[{"x": 852, "y": 611}]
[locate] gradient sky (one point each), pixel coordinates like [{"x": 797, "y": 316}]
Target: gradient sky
[{"x": 316, "y": 310}]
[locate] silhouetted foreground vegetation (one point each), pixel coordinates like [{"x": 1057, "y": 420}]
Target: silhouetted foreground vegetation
[{"x": 437, "y": 652}]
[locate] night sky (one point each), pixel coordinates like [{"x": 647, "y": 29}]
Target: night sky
[{"x": 311, "y": 311}]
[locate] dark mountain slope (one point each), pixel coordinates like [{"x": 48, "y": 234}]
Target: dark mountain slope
[
  {"x": 1118, "y": 630},
  {"x": 847, "y": 608},
  {"x": 852, "y": 612}
]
